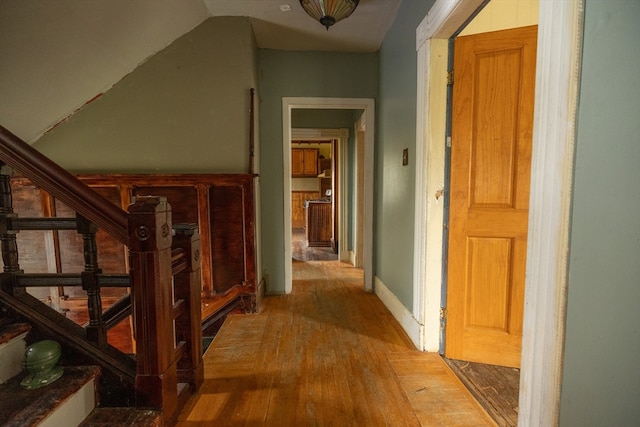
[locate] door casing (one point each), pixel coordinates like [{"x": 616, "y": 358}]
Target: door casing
[
  {"x": 368, "y": 105},
  {"x": 557, "y": 83}
]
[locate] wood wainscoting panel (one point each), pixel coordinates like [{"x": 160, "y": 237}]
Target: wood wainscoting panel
[
  {"x": 298, "y": 198},
  {"x": 222, "y": 205}
]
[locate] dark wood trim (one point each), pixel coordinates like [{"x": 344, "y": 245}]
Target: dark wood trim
[
  {"x": 61, "y": 184},
  {"x": 212, "y": 262}
]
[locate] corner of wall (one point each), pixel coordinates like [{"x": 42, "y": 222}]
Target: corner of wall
[{"x": 408, "y": 323}]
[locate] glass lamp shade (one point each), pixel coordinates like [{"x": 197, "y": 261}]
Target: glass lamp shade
[{"x": 328, "y": 12}]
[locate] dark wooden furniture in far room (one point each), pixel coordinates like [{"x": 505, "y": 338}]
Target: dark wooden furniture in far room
[
  {"x": 222, "y": 205},
  {"x": 318, "y": 222}
]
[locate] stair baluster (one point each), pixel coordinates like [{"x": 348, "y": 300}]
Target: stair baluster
[
  {"x": 7, "y": 236},
  {"x": 168, "y": 363},
  {"x": 96, "y": 330}
]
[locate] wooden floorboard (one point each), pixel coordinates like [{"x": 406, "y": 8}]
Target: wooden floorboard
[
  {"x": 327, "y": 354},
  {"x": 496, "y": 388}
]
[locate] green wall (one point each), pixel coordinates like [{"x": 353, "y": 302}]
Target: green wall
[
  {"x": 321, "y": 118},
  {"x": 395, "y": 183},
  {"x": 297, "y": 74},
  {"x": 601, "y": 376},
  {"x": 183, "y": 110}
]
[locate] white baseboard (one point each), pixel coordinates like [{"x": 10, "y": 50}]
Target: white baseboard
[
  {"x": 348, "y": 257},
  {"x": 408, "y": 323}
]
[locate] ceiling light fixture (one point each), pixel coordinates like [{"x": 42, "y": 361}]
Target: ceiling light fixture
[{"x": 328, "y": 12}]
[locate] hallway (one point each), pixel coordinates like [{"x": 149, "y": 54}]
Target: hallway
[{"x": 327, "y": 354}]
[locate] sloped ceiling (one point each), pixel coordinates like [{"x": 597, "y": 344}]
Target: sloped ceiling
[{"x": 55, "y": 56}]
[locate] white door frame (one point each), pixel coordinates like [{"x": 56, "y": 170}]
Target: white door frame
[
  {"x": 557, "y": 83},
  {"x": 366, "y": 104},
  {"x": 358, "y": 213}
]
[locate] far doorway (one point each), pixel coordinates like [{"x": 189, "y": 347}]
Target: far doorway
[
  {"x": 362, "y": 113},
  {"x": 314, "y": 207}
]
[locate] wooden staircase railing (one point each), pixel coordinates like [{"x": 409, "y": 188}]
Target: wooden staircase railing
[{"x": 164, "y": 281}]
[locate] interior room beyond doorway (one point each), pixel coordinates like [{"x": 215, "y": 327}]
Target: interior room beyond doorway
[{"x": 313, "y": 206}]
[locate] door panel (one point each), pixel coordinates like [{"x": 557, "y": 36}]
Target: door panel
[{"x": 492, "y": 116}]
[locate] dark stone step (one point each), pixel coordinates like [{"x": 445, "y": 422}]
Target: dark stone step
[
  {"x": 21, "y": 407},
  {"x": 9, "y": 331},
  {"x": 123, "y": 417}
]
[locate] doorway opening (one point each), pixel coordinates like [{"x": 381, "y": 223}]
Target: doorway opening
[
  {"x": 341, "y": 199},
  {"x": 315, "y": 212},
  {"x": 559, "y": 34}
]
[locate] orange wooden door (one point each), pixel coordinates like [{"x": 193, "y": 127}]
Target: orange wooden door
[{"x": 492, "y": 123}]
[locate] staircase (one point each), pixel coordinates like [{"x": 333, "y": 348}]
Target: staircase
[
  {"x": 68, "y": 401},
  {"x": 161, "y": 297}
]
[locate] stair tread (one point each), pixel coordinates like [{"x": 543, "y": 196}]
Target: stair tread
[
  {"x": 22, "y": 407},
  {"x": 123, "y": 417},
  {"x": 11, "y": 330}
]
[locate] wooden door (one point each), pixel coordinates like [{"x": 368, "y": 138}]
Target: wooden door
[
  {"x": 492, "y": 116},
  {"x": 297, "y": 162}
]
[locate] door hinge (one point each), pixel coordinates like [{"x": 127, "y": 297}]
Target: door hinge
[
  {"x": 450, "y": 77},
  {"x": 443, "y": 317}
]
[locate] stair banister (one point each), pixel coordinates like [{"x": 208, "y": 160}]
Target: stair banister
[
  {"x": 150, "y": 262},
  {"x": 167, "y": 359},
  {"x": 62, "y": 185}
]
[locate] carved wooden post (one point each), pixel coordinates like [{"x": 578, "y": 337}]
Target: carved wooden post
[
  {"x": 188, "y": 287},
  {"x": 151, "y": 276},
  {"x": 96, "y": 331}
]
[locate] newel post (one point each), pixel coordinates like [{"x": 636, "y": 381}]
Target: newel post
[
  {"x": 188, "y": 287},
  {"x": 151, "y": 276}
]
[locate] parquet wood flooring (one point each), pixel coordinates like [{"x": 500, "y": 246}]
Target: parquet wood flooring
[{"x": 328, "y": 354}]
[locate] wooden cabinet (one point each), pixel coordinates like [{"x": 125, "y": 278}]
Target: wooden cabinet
[
  {"x": 318, "y": 223},
  {"x": 304, "y": 162},
  {"x": 298, "y": 198}
]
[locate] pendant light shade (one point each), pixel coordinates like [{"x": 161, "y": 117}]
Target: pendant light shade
[{"x": 328, "y": 12}]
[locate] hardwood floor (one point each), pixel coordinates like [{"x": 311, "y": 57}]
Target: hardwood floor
[{"x": 326, "y": 354}]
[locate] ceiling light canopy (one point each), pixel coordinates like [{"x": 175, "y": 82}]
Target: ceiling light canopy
[{"x": 328, "y": 12}]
